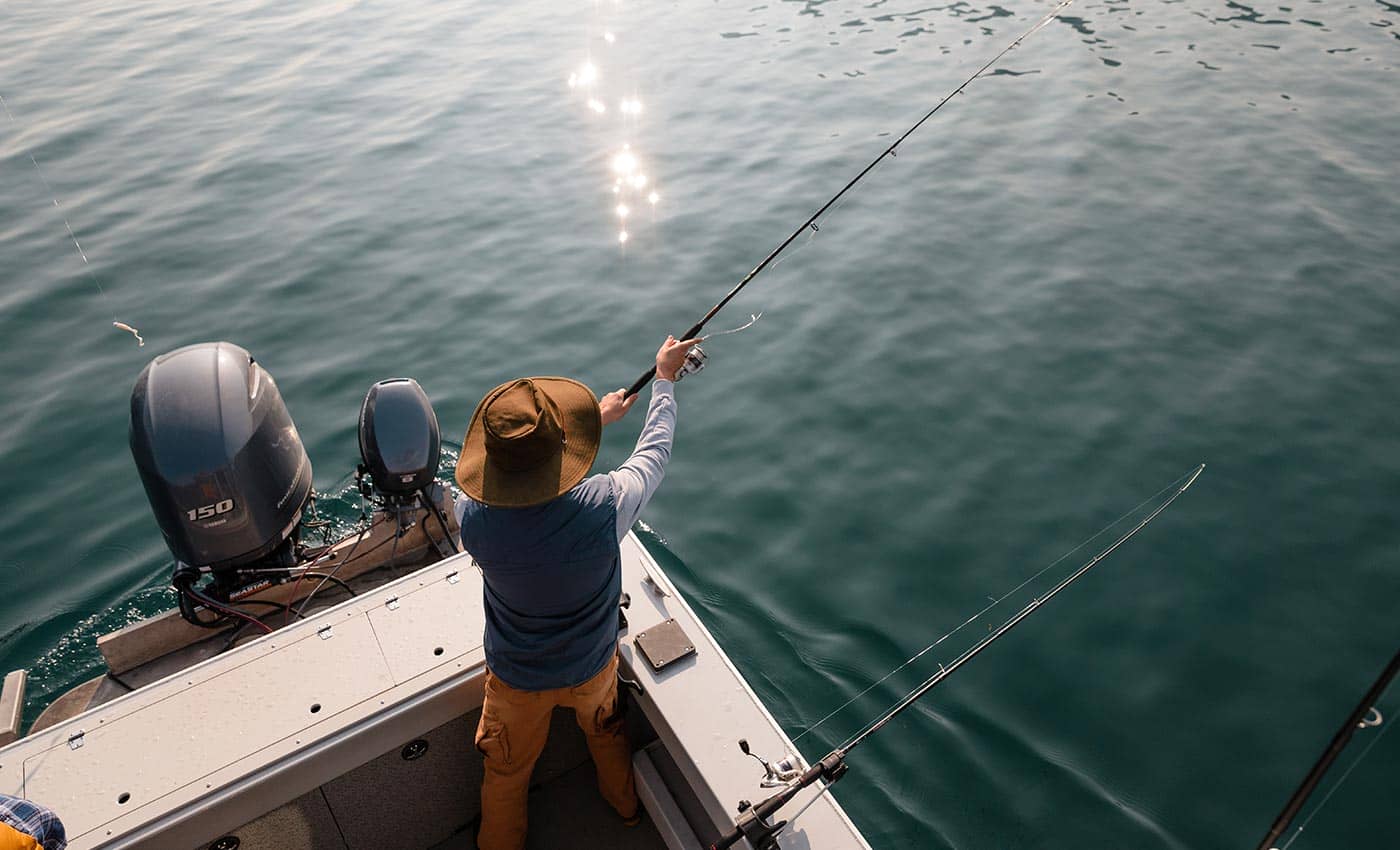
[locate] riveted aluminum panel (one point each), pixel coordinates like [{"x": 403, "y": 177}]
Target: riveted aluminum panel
[
  {"x": 431, "y": 625},
  {"x": 701, "y": 706},
  {"x": 133, "y": 760},
  {"x": 11, "y": 775}
]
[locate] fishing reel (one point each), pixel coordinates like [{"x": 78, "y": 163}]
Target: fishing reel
[
  {"x": 694, "y": 361},
  {"x": 775, "y": 774},
  {"x": 756, "y": 820}
]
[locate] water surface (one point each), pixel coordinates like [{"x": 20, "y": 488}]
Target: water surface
[{"x": 1163, "y": 233}]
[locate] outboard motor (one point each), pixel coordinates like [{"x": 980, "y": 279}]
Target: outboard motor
[
  {"x": 399, "y": 439},
  {"x": 224, "y": 468},
  {"x": 401, "y": 447}
]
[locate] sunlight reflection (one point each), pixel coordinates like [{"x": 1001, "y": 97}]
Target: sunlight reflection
[
  {"x": 624, "y": 162},
  {"x": 586, "y": 76},
  {"x": 605, "y": 80}
]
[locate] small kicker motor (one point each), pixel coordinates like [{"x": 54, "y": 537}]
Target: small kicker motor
[
  {"x": 400, "y": 446},
  {"x": 399, "y": 439}
]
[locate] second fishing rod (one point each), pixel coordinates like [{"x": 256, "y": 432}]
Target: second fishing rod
[{"x": 811, "y": 222}]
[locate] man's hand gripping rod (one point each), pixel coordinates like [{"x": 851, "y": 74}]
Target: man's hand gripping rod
[{"x": 690, "y": 334}]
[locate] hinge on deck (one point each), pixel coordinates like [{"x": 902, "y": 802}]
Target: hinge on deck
[
  {"x": 648, "y": 578},
  {"x": 75, "y": 741},
  {"x": 392, "y": 604},
  {"x": 453, "y": 577},
  {"x": 324, "y": 633}
]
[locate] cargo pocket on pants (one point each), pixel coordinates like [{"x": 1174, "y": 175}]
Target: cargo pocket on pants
[
  {"x": 608, "y": 717},
  {"x": 492, "y": 741}
]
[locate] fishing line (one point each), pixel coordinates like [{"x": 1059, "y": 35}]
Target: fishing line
[
  {"x": 828, "y": 218},
  {"x": 121, "y": 326},
  {"x": 811, "y": 222},
  {"x": 757, "y": 820},
  {"x": 1333, "y": 790},
  {"x": 995, "y": 602},
  {"x": 753, "y": 319},
  {"x": 943, "y": 672}
]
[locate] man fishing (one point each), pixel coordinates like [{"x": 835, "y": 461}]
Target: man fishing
[{"x": 546, "y": 537}]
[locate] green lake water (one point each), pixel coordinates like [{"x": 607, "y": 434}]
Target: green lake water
[{"x": 1163, "y": 233}]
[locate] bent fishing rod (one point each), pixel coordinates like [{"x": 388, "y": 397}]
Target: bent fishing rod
[
  {"x": 811, "y": 221},
  {"x": 755, "y": 822}
]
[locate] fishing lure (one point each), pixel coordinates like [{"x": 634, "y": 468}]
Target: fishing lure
[{"x": 123, "y": 326}]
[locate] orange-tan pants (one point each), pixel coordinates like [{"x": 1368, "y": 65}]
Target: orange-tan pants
[
  {"x": 13, "y": 839},
  {"x": 513, "y": 729}
]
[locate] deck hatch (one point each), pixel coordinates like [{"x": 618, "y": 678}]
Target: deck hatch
[
  {"x": 199, "y": 729},
  {"x": 664, "y": 644},
  {"x": 428, "y": 626}
]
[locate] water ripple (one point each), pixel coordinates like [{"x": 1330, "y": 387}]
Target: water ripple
[{"x": 1162, "y": 232}]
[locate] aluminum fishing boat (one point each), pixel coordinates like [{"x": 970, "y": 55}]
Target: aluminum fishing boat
[{"x": 352, "y": 725}]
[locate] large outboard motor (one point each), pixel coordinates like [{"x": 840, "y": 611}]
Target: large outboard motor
[
  {"x": 224, "y": 469},
  {"x": 399, "y": 438}
]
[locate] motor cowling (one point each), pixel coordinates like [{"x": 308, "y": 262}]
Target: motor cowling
[
  {"x": 399, "y": 438},
  {"x": 224, "y": 469}
]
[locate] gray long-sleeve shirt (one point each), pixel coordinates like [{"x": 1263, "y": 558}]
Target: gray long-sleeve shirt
[{"x": 636, "y": 480}]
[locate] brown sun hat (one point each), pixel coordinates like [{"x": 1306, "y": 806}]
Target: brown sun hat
[{"x": 529, "y": 441}]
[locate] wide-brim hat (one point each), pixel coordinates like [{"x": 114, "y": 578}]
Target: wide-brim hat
[{"x": 529, "y": 441}]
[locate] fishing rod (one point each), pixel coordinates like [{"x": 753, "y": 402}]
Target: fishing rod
[
  {"x": 1356, "y": 720},
  {"x": 811, "y": 221},
  {"x": 754, "y": 820}
]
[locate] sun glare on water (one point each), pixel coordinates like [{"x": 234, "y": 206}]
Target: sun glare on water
[{"x": 601, "y": 81}]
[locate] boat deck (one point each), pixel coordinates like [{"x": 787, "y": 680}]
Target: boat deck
[
  {"x": 433, "y": 801},
  {"x": 353, "y": 729},
  {"x": 568, "y": 813}
]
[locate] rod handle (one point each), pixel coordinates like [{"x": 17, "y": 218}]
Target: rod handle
[{"x": 640, "y": 382}]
